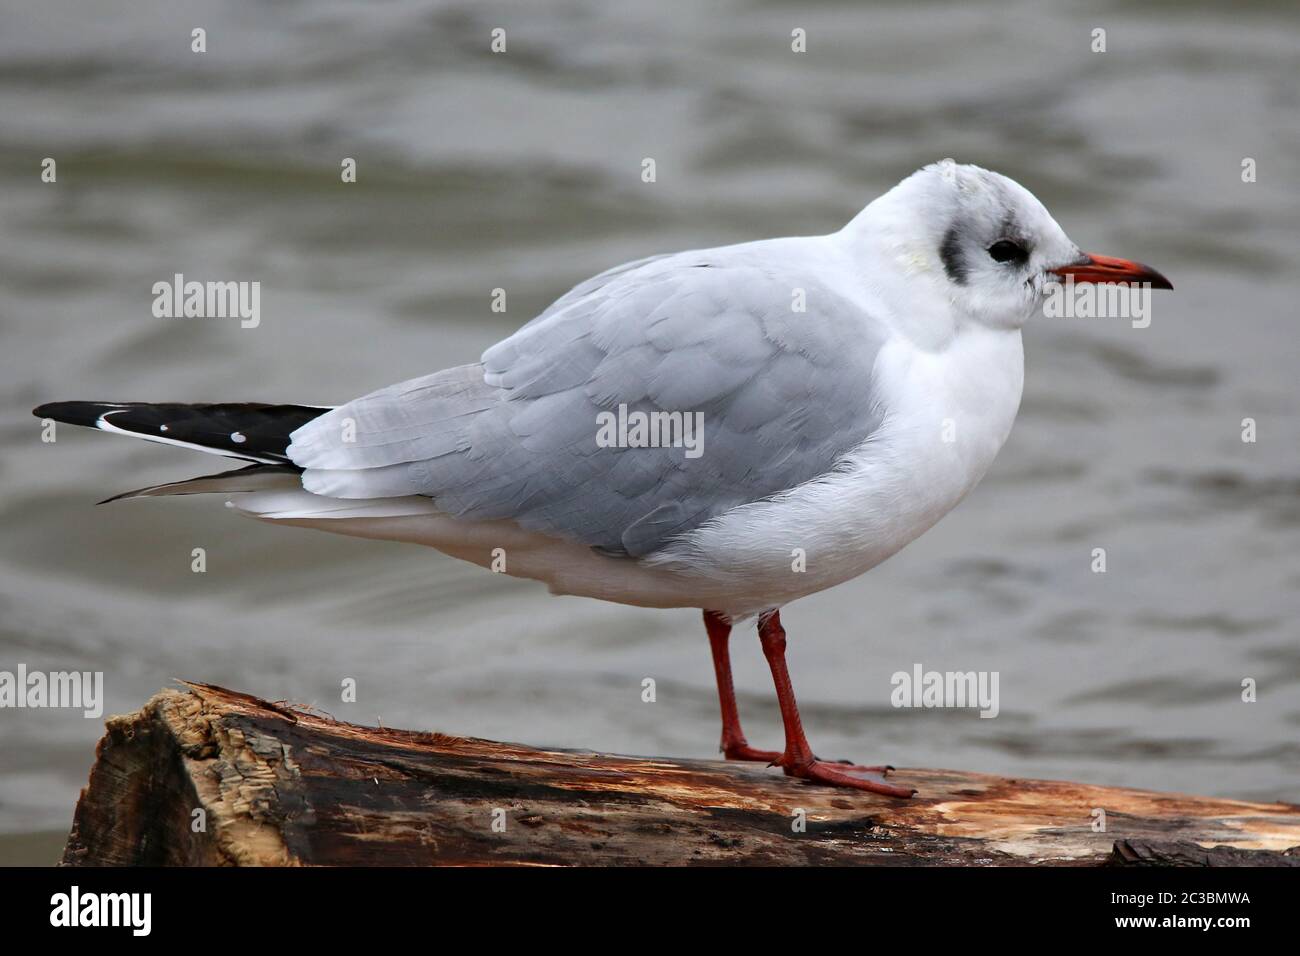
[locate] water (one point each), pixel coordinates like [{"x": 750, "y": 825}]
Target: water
[{"x": 522, "y": 171}]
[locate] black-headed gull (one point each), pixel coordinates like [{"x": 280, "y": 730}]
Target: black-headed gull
[{"x": 727, "y": 429}]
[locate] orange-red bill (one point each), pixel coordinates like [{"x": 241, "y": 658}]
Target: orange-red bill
[{"x": 1117, "y": 271}]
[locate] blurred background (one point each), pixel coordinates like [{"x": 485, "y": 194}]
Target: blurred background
[{"x": 522, "y": 171}]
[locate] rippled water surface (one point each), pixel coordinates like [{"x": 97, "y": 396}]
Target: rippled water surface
[{"x": 522, "y": 171}]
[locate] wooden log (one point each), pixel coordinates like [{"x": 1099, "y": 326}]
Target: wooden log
[{"x": 211, "y": 776}]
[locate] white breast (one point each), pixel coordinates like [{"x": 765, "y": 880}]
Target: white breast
[{"x": 949, "y": 413}]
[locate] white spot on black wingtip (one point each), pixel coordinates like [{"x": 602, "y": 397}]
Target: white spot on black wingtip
[
  {"x": 237, "y": 438},
  {"x": 162, "y": 428}
]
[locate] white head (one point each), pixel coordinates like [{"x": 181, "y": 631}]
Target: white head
[{"x": 991, "y": 246}]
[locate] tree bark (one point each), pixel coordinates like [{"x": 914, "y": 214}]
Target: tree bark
[{"x": 214, "y": 777}]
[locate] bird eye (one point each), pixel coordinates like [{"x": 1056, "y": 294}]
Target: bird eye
[{"x": 1004, "y": 250}]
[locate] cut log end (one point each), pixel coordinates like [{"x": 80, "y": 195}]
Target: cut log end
[{"x": 210, "y": 776}]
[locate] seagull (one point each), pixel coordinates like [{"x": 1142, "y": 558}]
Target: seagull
[{"x": 725, "y": 429}]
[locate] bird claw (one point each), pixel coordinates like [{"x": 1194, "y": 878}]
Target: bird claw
[
  {"x": 743, "y": 751},
  {"x": 849, "y": 765},
  {"x": 839, "y": 775}
]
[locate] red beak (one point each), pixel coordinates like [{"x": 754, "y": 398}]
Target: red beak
[{"x": 1115, "y": 271}]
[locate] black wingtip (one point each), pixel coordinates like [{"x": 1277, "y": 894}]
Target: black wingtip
[
  {"x": 73, "y": 413},
  {"x": 250, "y": 431}
]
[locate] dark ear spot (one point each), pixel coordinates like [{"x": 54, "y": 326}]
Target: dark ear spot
[{"x": 950, "y": 255}]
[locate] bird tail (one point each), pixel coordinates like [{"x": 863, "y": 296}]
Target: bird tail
[{"x": 252, "y": 431}]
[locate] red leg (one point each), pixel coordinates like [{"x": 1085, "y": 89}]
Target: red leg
[
  {"x": 798, "y": 759},
  {"x": 734, "y": 744}
]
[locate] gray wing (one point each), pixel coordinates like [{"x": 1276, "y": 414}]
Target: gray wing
[{"x": 784, "y": 395}]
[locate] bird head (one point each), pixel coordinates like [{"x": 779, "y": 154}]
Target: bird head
[{"x": 990, "y": 247}]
